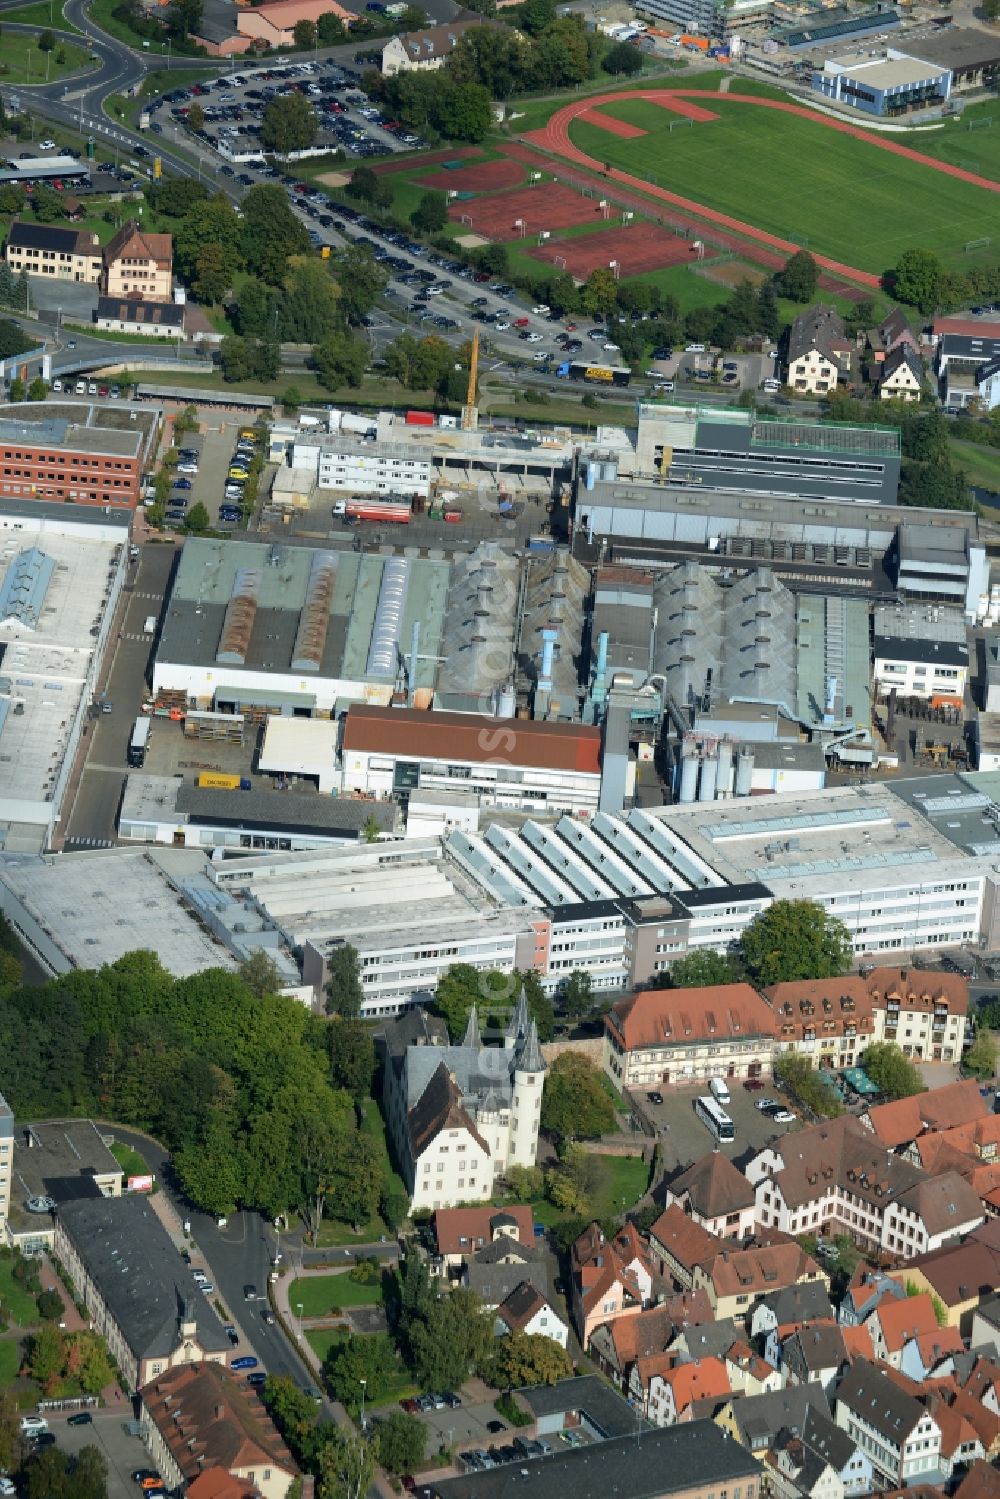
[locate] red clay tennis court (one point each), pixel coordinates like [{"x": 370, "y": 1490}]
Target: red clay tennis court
[
  {"x": 548, "y": 206},
  {"x": 640, "y": 247},
  {"x": 486, "y": 177},
  {"x": 427, "y": 158}
]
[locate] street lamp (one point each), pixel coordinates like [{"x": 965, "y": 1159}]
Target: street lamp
[
  {"x": 362, "y": 1383},
  {"x": 299, "y": 1308}
]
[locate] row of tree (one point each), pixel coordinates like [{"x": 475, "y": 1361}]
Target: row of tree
[{"x": 254, "y": 1097}]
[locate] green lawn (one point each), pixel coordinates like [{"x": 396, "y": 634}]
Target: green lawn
[
  {"x": 976, "y": 149},
  {"x": 885, "y": 204},
  {"x": 322, "y": 1294},
  {"x": 45, "y": 13},
  {"x": 622, "y": 1180},
  {"x": 21, "y": 60},
  {"x": 129, "y": 1160},
  {"x": 981, "y": 464},
  {"x": 10, "y": 1361},
  {"x": 18, "y": 1305},
  {"x": 322, "y": 1339}
]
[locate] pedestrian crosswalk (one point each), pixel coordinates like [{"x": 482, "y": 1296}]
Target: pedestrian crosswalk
[{"x": 89, "y": 843}]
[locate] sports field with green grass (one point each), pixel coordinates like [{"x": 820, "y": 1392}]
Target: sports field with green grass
[{"x": 834, "y": 194}]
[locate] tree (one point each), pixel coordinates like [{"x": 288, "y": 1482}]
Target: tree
[
  {"x": 526, "y": 1182},
  {"x": 304, "y": 34},
  {"x": 981, "y": 1057},
  {"x": 577, "y": 994},
  {"x": 536, "y": 15},
  {"x": 797, "y": 279},
  {"x": 212, "y": 275},
  {"x": 917, "y": 278},
  {"x": 310, "y": 308},
  {"x": 346, "y": 1465},
  {"x": 209, "y": 223},
  {"x": 343, "y": 984},
  {"x": 431, "y": 213},
  {"x": 50, "y": 1306},
  {"x": 600, "y": 294},
  {"x": 463, "y": 112},
  {"x": 289, "y": 123},
  {"x": 575, "y": 1104},
  {"x": 260, "y": 974},
  {"x": 47, "y": 205},
  {"x": 339, "y": 360},
  {"x": 46, "y": 1356},
  {"x": 330, "y": 29},
  {"x": 571, "y": 1185},
  {"x": 195, "y": 118},
  {"x": 177, "y": 196},
  {"x": 522, "y": 1358},
  {"x": 293, "y": 1412},
  {"x": 37, "y": 390},
  {"x": 402, "y": 1440},
  {"x": 451, "y": 1340},
  {"x": 363, "y": 184},
  {"x": 46, "y": 41},
  {"x": 361, "y": 281},
  {"x": 16, "y": 388},
  {"x": 369, "y": 1358},
  {"x": 197, "y": 519},
  {"x": 700, "y": 970},
  {"x": 88, "y": 1362},
  {"x": 794, "y": 939},
  {"x": 622, "y": 58},
  {"x": 270, "y": 232},
  {"x": 183, "y": 17},
  {"x": 892, "y": 1072},
  {"x": 352, "y": 1056}
]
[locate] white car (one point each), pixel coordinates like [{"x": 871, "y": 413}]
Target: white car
[
  {"x": 539, "y": 356},
  {"x": 502, "y": 325},
  {"x": 187, "y": 468},
  {"x": 783, "y": 1116},
  {"x": 610, "y": 348},
  {"x": 32, "y": 1425},
  {"x": 694, "y": 348},
  {"x": 533, "y": 338},
  {"x": 542, "y": 310},
  {"x": 7, "y": 1488},
  {"x": 46, "y": 146}
]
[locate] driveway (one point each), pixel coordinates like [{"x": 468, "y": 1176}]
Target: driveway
[{"x": 108, "y": 1432}]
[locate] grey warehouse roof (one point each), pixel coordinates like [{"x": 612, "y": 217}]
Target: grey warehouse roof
[
  {"x": 697, "y": 1455},
  {"x": 139, "y": 1274}
]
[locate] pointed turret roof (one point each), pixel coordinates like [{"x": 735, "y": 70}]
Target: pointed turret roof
[
  {"x": 517, "y": 1025},
  {"x": 529, "y": 1055},
  {"x": 472, "y": 1036}
]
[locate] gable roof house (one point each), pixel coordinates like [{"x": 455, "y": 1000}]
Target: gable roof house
[
  {"x": 124, "y": 1267},
  {"x": 755, "y": 1420},
  {"x": 831, "y": 1021},
  {"x": 738, "y": 1278},
  {"x": 901, "y": 375},
  {"x": 674, "y": 1393},
  {"x": 616, "y": 1346},
  {"x": 46, "y": 250},
  {"x": 716, "y": 1195},
  {"x": 815, "y": 1353},
  {"x": 866, "y": 1289},
  {"x": 658, "y": 1036},
  {"x": 423, "y": 51},
  {"x": 461, "y": 1233},
  {"x": 901, "y": 1438},
  {"x": 200, "y": 1418},
  {"x": 966, "y": 349},
  {"x": 609, "y": 1278},
  {"x": 819, "y": 351},
  {"x": 894, "y": 330},
  {"x": 527, "y": 1310},
  {"x": 899, "y": 1124},
  {"x": 929, "y": 1355},
  {"x": 959, "y": 1275},
  {"x": 894, "y": 1323},
  {"x": 791, "y": 1305},
  {"x": 819, "y": 1462},
  {"x": 138, "y": 265},
  {"x": 678, "y": 1245}
]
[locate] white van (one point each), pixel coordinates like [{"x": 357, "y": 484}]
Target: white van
[
  {"x": 149, "y": 625},
  {"x": 720, "y": 1092}
]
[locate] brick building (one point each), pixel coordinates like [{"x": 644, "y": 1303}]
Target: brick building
[{"x": 57, "y": 459}]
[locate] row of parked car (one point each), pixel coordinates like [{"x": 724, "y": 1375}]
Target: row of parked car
[
  {"x": 480, "y": 1459},
  {"x": 421, "y": 1404}
]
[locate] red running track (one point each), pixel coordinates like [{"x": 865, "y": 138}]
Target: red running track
[
  {"x": 554, "y": 137},
  {"x": 621, "y": 128}
]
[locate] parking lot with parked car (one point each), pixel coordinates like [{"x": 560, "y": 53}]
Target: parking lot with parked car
[{"x": 682, "y": 1135}]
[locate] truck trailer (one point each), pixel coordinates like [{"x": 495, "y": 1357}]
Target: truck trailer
[
  {"x": 594, "y": 374},
  {"x": 395, "y": 509}
]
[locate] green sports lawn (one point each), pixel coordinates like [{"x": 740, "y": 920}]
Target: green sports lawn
[{"x": 833, "y": 193}]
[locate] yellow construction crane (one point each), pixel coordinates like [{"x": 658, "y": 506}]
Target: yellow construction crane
[{"x": 470, "y": 411}]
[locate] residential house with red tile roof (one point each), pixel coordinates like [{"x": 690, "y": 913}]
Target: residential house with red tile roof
[
  {"x": 738, "y": 1278},
  {"x": 673, "y": 1393},
  {"x": 899, "y": 1124},
  {"x": 960, "y": 1276},
  {"x": 981, "y": 1482},
  {"x": 199, "y": 1417},
  {"x": 831, "y": 1021},
  {"x": 865, "y": 1289},
  {"x": 922, "y": 1009},
  {"x": 617, "y": 1345},
  {"x": 460, "y": 1232},
  {"x": 686, "y": 1036},
  {"x": 894, "y": 1323},
  {"x": 929, "y": 1355},
  {"x": 678, "y": 1245},
  {"x": 717, "y": 1195},
  {"x": 607, "y": 1281}
]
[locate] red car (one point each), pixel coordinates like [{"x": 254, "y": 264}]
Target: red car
[
  {"x": 753, "y": 1084},
  {"x": 570, "y": 327},
  {"x": 522, "y": 322},
  {"x": 410, "y": 1405}
]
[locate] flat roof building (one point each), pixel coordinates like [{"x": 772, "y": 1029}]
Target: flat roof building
[
  {"x": 74, "y": 454},
  {"x": 891, "y": 85},
  {"x": 55, "y": 1162}
]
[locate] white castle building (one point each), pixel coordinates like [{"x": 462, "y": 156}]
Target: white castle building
[{"x": 458, "y": 1116}]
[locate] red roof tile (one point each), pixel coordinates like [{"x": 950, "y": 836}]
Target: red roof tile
[{"x": 470, "y": 738}]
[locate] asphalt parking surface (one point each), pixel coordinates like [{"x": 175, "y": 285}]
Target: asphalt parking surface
[
  {"x": 684, "y": 1138},
  {"x": 465, "y": 1427},
  {"x": 108, "y": 1432}
]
